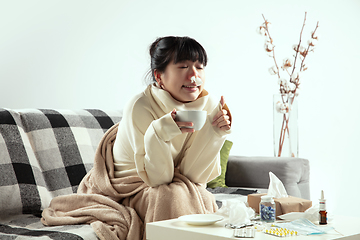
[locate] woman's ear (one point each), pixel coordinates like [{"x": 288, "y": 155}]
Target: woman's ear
[{"x": 157, "y": 75}]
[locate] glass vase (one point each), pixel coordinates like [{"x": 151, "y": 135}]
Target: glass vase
[{"x": 285, "y": 125}]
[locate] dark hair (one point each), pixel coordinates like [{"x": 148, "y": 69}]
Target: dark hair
[{"x": 178, "y": 49}]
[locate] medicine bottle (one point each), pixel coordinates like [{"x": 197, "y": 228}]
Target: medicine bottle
[
  {"x": 322, "y": 209},
  {"x": 267, "y": 209}
]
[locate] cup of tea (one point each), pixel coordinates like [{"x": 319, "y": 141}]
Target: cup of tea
[{"x": 197, "y": 117}]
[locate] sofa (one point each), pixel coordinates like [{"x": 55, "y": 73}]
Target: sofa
[{"x": 45, "y": 153}]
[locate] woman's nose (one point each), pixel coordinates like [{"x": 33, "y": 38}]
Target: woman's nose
[{"x": 193, "y": 72}]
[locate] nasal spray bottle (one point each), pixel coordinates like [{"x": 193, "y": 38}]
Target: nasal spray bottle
[{"x": 322, "y": 209}]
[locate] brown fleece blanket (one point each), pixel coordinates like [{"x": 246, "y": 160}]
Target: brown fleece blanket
[{"x": 119, "y": 208}]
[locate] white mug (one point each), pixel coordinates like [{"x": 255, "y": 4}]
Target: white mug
[{"x": 197, "y": 117}]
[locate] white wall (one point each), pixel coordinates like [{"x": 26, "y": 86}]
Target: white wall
[{"x": 94, "y": 54}]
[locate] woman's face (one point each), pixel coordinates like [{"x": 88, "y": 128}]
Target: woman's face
[{"x": 176, "y": 79}]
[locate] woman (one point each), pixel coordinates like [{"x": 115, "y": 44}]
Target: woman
[
  {"x": 149, "y": 142},
  {"x": 149, "y": 167}
]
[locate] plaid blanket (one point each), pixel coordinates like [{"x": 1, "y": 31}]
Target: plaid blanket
[
  {"x": 45, "y": 153},
  {"x": 29, "y": 227}
]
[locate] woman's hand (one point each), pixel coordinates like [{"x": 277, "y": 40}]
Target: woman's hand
[
  {"x": 222, "y": 119},
  {"x": 182, "y": 125}
]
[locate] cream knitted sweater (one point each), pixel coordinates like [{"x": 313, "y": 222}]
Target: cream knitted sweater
[{"x": 150, "y": 144}]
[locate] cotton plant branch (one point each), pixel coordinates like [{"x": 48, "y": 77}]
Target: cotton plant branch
[
  {"x": 270, "y": 48},
  {"x": 310, "y": 47},
  {"x": 289, "y": 87},
  {"x": 298, "y": 46}
]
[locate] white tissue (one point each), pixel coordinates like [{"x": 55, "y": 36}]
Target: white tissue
[
  {"x": 236, "y": 211},
  {"x": 311, "y": 214},
  {"x": 276, "y": 187},
  {"x": 196, "y": 80}
]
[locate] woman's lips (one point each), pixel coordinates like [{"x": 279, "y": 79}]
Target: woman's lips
[{"x": 190, "y": 88}]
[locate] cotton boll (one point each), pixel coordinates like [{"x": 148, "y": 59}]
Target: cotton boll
[
  {"x": 287, "y": 63},
  {"x": 295, "y": 47},
  {"x": 282, "y": 81},
  {"x": 273, "y": 70},
  {"x": 287, "y": 88},
  {"x": 261, "y": 30},
  {"x": 312, "y": 42},
  {"x": 281, "y": 107},
  {"x": 269, "y": 47},
  {"x": 292, "y": 86},
  {"x": 295, "y": 77},
  {"x": 285, "y": 108},
  {"x": 302, "y": 49}
]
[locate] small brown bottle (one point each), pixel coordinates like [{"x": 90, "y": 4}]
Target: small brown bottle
[{"x": 322, "y": 209}]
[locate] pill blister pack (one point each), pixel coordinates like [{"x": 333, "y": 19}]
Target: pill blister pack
[
  {"x": 244, "y": 232},
  {"x": 281, "y": 232}
]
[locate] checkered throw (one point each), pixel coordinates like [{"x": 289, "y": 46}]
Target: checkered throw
[
  {"x": 43, "y": 154},
  {"x": 24, "y": 227}
]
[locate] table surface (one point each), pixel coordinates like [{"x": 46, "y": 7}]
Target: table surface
[{"x": 346, "y": 228}]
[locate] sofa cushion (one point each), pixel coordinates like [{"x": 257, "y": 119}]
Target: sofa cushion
[
  {"x": 19, "y": 189},
  {"x": 224, "y": 156},
  {"x": 46, "y": 153}
]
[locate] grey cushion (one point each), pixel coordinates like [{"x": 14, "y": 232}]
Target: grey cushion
[{"x": 253, "y": 172}]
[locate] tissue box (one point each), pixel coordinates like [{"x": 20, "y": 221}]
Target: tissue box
[{"x": 283, "y": 205}]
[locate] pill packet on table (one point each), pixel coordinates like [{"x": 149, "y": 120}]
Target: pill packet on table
[
  {"x": 280, "y": 232},
  {"x": 229, "y": 225},
  {"x": 244, "y": 233}
]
